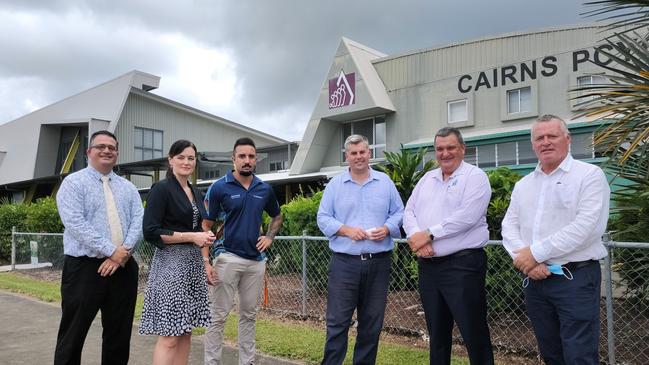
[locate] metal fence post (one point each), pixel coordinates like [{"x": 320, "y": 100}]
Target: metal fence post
[
  {"x": 608, "y": 283},
  {"x": 13, "y": 248},
  {"x": 304, "y": 278}
]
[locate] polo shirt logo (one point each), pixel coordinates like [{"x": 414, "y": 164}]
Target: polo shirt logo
[{"x": 237, "y": 196}]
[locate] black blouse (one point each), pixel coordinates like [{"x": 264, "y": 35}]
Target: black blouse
[{"x": 168, "y": 210}]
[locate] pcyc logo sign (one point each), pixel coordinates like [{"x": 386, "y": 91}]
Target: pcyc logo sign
[{"x": 341, "y": 90}]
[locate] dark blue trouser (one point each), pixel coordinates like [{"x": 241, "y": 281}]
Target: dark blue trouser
[
  {"x": 361, "y": 285},
  {"x": 565, "y": 316},
  {"x": 453, "y": 288}
]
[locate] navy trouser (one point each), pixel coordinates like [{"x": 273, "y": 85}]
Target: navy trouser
[
  {"x": 565, "y": 316},
  {"x": 453, "y": 288},
  {"x": 361, "y": 285},
  {"x": 84, "y": 292}
]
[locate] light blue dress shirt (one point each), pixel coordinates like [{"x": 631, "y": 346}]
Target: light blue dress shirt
[
  {"x": 82, "y": 208},
  {"x": 373, "y": 204}
]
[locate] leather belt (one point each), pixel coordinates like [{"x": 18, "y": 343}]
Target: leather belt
[
  {"x": 572, "y": 266},
  {"x": 465, "y": 252},
  {"x": 365, "y": 256}
]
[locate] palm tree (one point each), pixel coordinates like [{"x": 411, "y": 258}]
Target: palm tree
[
  {"x": 625, "y": 100},
  {"x": 405, "y": 169}
]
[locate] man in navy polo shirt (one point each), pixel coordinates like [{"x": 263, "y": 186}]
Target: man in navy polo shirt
[{"x": 240, "y": 262}]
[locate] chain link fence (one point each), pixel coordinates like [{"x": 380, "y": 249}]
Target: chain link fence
[{"x": 296, "y": 285}]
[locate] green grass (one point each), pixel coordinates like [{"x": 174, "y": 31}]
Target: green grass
[
  {"x": 286, "y": 340},
  {"x": 41, "y": 290}
]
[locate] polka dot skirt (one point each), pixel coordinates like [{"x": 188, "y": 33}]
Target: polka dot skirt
[{"x": 176, "y": 296}]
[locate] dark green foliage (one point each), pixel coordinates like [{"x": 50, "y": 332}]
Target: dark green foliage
[
  {"x": 503, "y": 283},
  {"x": 285, "y": 257},
  {"x": 41, "y": 216},
  {"x": 11, "y": 215},
  {"x": 300, "y": 214},
  {"x": 502, "y": 181},
  {"x": 405, "y": 169},
  {"x": 629, "y": 224}
]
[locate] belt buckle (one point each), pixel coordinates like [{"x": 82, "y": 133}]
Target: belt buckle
[{"x": 366, "y": 256}]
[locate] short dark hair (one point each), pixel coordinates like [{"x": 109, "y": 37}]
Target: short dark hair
[
  {"x": 244, "y": 141},
  {"x": 447, "y": 131},
  {"x": 177, "y": 148},
  {"x": 102, "y": 132}
]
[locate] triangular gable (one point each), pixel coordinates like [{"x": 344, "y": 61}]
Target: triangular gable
[
  {"x": 342, "y": 98},
  {"x": 363, "y": 93}
]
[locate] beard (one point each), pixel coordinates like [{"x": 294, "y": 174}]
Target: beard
[{"x": 245, "y": 173}]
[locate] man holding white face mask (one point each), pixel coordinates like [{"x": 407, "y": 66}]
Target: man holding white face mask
[{"x": 552, "y": 230}]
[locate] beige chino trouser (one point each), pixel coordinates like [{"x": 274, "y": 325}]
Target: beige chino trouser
[{"x": 234, "y": 274}]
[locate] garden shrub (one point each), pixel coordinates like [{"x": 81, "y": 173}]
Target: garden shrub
[
  {"x": 286, "y": 256},
  {"x": 11, "y": 215},
  {"x": 503, "y": 282},
  {"x": 629, "y": 224}
]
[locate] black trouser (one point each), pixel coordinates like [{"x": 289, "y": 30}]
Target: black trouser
[
  {"x": 361, "y": 285},
  {"x": 83, "y": 293},
  {"x": 453, "y": 288},
  {"x": 565, "y": 315}
]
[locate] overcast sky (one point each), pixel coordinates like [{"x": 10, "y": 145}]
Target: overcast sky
[{"x": 260, "y": 63}]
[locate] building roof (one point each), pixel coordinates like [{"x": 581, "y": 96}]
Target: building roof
[
  {"x": 100, "y": 107},
  {"x": 20, "y": 138}
]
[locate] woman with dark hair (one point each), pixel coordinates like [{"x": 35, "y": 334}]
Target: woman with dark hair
[{"x": 176, "y": 296}]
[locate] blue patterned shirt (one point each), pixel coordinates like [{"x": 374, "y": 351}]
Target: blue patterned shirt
[{"x": 82, "y": 208}]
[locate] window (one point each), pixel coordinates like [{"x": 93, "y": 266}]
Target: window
[
  {"x": 581, "y": 146},
  {"x": 277, "y": 166},
  {"x": 471, "y": 155},
  {"x": 487, "y": 155},
  {"x": 525, "y": 152},
  {"x": 458, "y": 111},
  {"x": 500, "y": 154},
  {"x": 148, "y": 143},
  {"x": 211, "y": 174},
  {"x": 506, "y": 154},
  {"x": 373, "y": 129},
  {"x": 519, "y": 100},
  {"x": 591, "y": 80}
]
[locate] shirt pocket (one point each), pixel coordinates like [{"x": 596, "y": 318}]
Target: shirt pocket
[{"x": 565, "y": 196}]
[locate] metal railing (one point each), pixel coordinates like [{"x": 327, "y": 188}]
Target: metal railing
[{"x": 297, "y": 285}]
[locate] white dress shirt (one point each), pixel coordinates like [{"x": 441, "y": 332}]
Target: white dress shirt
[
  {"x": 453, "y": 210},
  {"x": 561, "y": 215}
]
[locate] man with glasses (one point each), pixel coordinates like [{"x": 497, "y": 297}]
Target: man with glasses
[
  {"x": 102, "y": 215},
  {"x": 360, "y": 212}
]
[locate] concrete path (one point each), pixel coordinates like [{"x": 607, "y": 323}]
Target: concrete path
[{"x": 28, "y": 331}]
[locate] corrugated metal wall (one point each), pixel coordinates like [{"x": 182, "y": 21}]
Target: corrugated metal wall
[
  {"x": 455, "y": 60},
  {"x": 207, "y": 135}
]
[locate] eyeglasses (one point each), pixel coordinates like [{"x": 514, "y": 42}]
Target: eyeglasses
[{"x": 101, "y": 147}]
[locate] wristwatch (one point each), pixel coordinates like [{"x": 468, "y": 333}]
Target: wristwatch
[{"x": 430, "y": 234}]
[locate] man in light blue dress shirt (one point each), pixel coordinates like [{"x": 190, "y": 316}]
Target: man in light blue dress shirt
[
  {"x": 360, "y": 212},
  {"x": 98, "y": 273}
]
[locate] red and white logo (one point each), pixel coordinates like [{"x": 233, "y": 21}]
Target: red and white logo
[{"x": 341, "y": 90}]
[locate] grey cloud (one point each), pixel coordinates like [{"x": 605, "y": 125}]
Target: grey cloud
[{"x": 282, "y": 48}]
